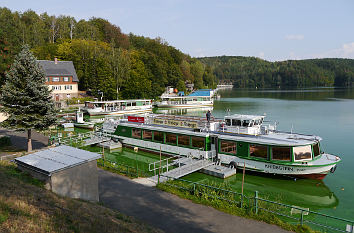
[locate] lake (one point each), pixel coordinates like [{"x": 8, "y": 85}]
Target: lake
[{"x": 326, "y": 112}]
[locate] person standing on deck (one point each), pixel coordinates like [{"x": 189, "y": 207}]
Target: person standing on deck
[{"x": 208, "y": 115}]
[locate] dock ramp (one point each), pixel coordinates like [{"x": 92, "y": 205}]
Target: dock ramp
[{"x": 186, "y": 167}]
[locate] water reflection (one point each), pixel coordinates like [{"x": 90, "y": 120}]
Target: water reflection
[
  {"x": 328, "y": 94},
  {"x": 305, "y": 193}
]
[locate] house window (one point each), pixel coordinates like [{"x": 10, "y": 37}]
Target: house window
[
  {"x": 259, "y": 151},
  {"x": 56, "y": 79},
  {"x": 68, "y": 87},
  {"x": 228, "y": 147},
  {"x": 56, "y": 88},
  {"x": 66, "y": 79}
]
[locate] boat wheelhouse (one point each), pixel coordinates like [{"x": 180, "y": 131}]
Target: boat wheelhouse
[
  {"x": 197, "y": 99},
  {"x": 117, "y": 107},
  {"x": 236, "y": 141}
]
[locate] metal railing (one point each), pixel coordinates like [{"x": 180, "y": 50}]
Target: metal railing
[{"x": 296, "y": 215}]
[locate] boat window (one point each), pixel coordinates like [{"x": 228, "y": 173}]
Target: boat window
[
  {"x": 302, "y": 152},
  {"x": 281, "y": 153},
  {"x": 228, "y": 122},
  {"x": 245, "y": 123},
  {"x": 236, "y": 122},
  {"x": 316, "y": 150},
  {"x": 198, "y": 142},
  {"x": 171, "y": 138},
  {"x": 136, "y": 133},
  {"x": 147, "y": 134},
  {"x": 259, "y": 151},
  {"x": 158, "y": 136},
  {"x": 228, "y": 147},
  {"x": 183, "y": 140}
]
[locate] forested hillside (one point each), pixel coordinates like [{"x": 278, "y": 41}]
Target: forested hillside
[
  {"x": 134, "y": 66},
  {"x": 105, "y": 58},
  {"x": 255, "y": 72}
]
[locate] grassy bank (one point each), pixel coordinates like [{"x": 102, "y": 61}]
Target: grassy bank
[
  {"x": 25, "y": 206},
  {"x": 221, "y": 203}
]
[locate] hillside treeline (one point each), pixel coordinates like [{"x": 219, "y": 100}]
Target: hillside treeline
[
  {"x": 105, "y": 58},
  {"x": 255, "y": 72}
]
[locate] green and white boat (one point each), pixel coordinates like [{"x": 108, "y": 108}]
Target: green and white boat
[{"x": 235, "y": 141}]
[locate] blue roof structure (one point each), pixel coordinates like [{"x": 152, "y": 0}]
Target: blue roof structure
[
  {"x": 201, "y": 92},
  {"x": 180, "y": 93}
]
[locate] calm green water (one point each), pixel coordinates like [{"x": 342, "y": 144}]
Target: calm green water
[{"x": 326, "y": 112}]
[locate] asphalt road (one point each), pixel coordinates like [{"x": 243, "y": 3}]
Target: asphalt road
[{"x": 169, "y": 212}]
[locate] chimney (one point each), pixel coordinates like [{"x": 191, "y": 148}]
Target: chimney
[{"x": 55, "y": 60}]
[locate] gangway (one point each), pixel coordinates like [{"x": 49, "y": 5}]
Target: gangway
[
  {"x": 95, "y": 139},
  {"x": 188, "y": 166}
]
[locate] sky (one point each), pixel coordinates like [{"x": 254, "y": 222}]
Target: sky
[{"x": 270, "y": 29}]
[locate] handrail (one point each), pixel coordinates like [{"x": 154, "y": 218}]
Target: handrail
[{"x": 256, "y": 206}]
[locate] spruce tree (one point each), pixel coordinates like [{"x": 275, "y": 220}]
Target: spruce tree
[{"x": 25, "y": 98}]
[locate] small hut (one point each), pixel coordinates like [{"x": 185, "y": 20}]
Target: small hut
[{"x": 66, "y": 170}]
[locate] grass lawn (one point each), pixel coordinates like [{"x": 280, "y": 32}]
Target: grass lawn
[{"x": 25, "y": 206}]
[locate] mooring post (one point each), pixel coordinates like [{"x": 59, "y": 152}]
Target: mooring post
[{"x": 256, "y": 202}]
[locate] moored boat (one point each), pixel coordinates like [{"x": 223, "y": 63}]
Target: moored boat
[
  {"x": 235, "y": 141},
  {"x": 197, "y": 99},
  {"x": 117, "y": 107}
]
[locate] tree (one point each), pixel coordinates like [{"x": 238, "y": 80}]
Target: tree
[{"x": 25, "y": 99}]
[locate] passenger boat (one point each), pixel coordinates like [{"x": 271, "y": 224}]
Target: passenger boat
[
  {"x": 236, "y": 141},
  {"x": 198, "y": 99},
  {"x": 117, "y": 107}
]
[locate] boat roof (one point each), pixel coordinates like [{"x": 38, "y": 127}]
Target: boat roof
[
  {"x": 202, "y": 92},
  {"x": 117, "y": 101},
  {"x": 245, "y": 117},
  {"x": 277, "y": 138}
]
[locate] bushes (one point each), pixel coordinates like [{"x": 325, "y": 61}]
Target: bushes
[{"x": 5, "y": 141}]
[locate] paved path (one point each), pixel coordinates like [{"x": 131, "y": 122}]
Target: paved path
[
  {"x": 169, "y": 212},
  {"x": 19, "y": 139}
]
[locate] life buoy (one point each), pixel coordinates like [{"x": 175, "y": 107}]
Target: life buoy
[
  {"x": 232, "y": 165},
  {"x": 333, "y": 169}
]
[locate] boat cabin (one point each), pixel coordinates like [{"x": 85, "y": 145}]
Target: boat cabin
[{"x": 243, "y": 124}]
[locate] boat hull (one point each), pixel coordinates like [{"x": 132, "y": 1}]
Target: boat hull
[
  {"x": 293, "y": 170},
  {"x": 102, "y": 113}
]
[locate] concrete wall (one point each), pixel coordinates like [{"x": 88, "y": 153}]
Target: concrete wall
[{"x": 77, "y": 182}]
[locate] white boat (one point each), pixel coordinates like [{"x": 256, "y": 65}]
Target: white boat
[
  {"x": 198, "y": 99},
  {"x": 236, "y": 141},
  {"x": 117, "y": 107}
]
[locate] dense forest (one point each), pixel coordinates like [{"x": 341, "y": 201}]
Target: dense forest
[
  {"x": 105, "y": 58},
  {"x": 131, "y": 66},
  {"x": 255, "y": 72}
]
